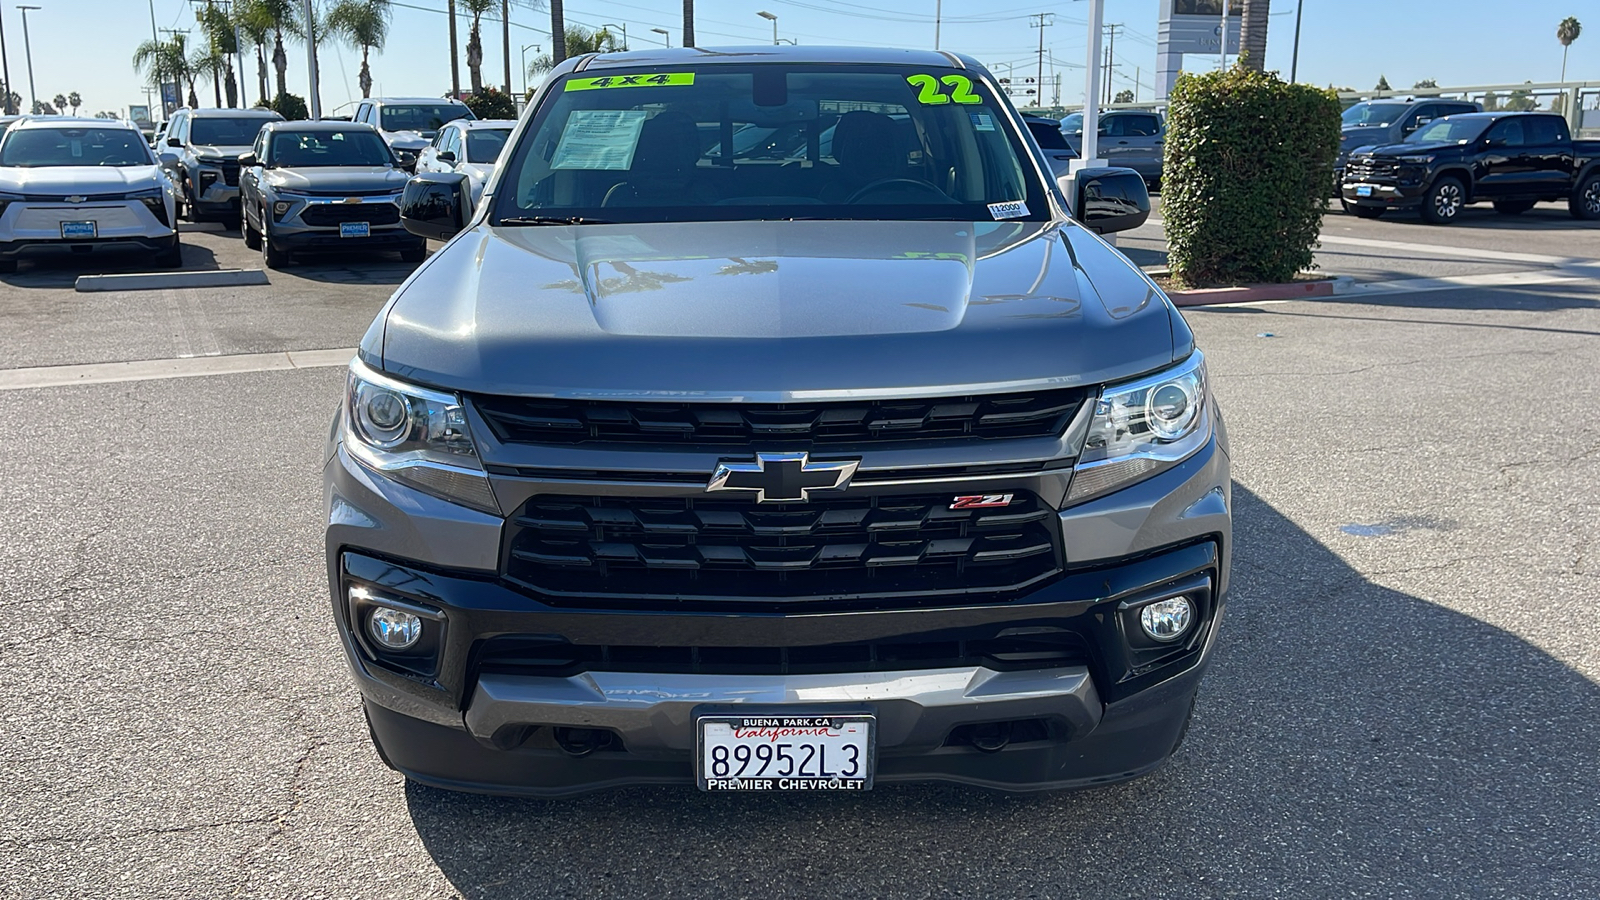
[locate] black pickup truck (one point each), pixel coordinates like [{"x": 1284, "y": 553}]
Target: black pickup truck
[{"x": 1513, "y": 160}]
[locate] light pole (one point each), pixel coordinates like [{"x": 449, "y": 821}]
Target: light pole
[
  {"x": 28, "y": 49},
  {"x": 1294, "y": 64},
  {"x": 666, "y": 36},
  {"x": 311, "y": 59},
  {"x": 525, "y": 66},
  {"x": 624, "y": 29},
  {"x": 774, "y": 19},
  {"x": 5, "y": 61}
]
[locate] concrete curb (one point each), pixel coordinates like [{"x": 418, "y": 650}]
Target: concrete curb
[
  {"x": 152, "y": 281},
  {"x": 1255, "y": 293}
]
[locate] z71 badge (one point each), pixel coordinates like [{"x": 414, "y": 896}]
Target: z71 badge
[{"x": 981, "y": 501}]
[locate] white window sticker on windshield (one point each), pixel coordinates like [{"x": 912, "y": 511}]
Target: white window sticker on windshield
[
  {"x": 599, "y": 139},
  {"x": 77, "y": 147},
  {"x": 982, "y": 122},
  {"x": 1011, "y": 209}
]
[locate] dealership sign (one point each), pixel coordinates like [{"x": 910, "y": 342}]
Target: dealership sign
[{"x": 1192, "y": 26}]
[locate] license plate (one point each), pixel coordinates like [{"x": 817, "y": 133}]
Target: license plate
[
  {"x": 1363, "y": 190},
  {"x": 785, "y": 753},
  {"x": 71, "y": 230},
  {"x": 354, "y": 229}
]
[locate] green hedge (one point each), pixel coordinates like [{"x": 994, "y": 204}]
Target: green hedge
[
  {"x": 289, "y": 106},
  {"x": 1249, "y": 161},
  {"x": 492, "y": 104}
]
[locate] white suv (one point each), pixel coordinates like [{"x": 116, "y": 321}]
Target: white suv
[{"x": 72, "y": 185}]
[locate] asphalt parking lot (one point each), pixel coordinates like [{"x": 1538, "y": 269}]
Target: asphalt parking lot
[{"x": 1405, "y": 701}]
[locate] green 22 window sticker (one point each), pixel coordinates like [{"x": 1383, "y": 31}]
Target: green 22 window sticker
[
  {"x": 665, "y": 79},
  {"x": 929, "y": 93}
]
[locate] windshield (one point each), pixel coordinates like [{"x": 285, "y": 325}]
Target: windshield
[
  {"x": 226, "y": 132},
  {"x": 1448, "y": 131},
  {"x": 1072, "y": 124},
  {"x": 427, "y": 118},
  {"x": 39, "y": 147},
  {"x": 1367, "y": 113},
  {"x": 309, "y": 149},
  {"x": 483, "y": 144},
  {"x": 732, "y": 143}
]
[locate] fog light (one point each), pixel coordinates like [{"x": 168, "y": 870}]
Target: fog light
[
  {"x": 280, "y": 208},
  {"x": 1167, "y": 620},
  {"x": 394, "y": 629}
]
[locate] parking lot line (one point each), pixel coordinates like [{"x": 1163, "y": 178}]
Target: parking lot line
[
  {"x": 186, "y": 367},
  {"x": 1443, "y": 250}
]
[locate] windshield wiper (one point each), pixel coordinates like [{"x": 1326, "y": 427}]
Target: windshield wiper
[{"x": 551, "y": 220}]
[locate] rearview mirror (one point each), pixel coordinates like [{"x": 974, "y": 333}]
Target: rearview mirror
[
  {"x": 1110, "y": 198},
  {"x": 434, "y": 205}
]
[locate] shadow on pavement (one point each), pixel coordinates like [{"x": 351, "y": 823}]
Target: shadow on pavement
[
  {"x": 1545, "y": 217},
  {"x": 1538, "y": 298},
  {"x": 351, "y": 267},
  {"x": 63, "y": 271},
  {"x": 1350, "y": 740}
]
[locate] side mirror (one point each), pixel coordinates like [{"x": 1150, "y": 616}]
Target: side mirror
[
  {"x": 1110, "y": 198},
  {"x": 247, "y": 159},
  {"x": 174, "y": 142},
  {"x": 168, "y": 158},
  {"x": 434, "y": 205},
  {"x": 445, "y": 156}
]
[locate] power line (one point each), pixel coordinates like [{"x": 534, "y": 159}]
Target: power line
[{"x": 1044, "y": 20}]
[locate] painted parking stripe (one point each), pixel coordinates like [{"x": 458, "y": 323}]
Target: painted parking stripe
[
  {"x": 1537, "y": 259},
  {"x": 152, "y": 369},
  {"x": 1456, "y": 282}
]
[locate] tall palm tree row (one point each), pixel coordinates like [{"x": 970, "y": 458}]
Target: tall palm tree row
[
  {"x": 255, "y": 23},
  {"x": 217, "y": 55},
  {"x": 1566, "y": 33},
  {"x": 166, "y": 60},
  {"x": 363, "y": 24},
  {"x": 578, "y": 41}
]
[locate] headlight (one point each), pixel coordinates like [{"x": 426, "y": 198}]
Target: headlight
[
  {"x": 415, "y": 436},
  {"x": 1416, "y": 160},
  {"x": 8, "y": 198},
  {"x": 154, "y": 193},
  {"x": 1143, "y": 427}
]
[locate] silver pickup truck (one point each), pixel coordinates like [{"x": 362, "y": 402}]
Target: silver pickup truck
[{"x": 690, "y": 461}]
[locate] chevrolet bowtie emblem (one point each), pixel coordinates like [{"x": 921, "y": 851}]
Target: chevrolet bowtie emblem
[
  {"x": 782, "y": 477},
  {"x": 351, "y": 200},
  {"x": 75, "y": 198}
]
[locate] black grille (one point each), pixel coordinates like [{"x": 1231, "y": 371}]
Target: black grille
[
  {"x": 338, "y": 213},
  {"x": 230, "y": 172},
  {"x": 1036, "y": 648},
  {"x": 537, "y": 421},
  {"x": 1361, "y": 169},
  {"x": 835, "y": 548}
]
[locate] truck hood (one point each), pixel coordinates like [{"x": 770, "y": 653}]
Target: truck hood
[
  {"x": 772, "y": 311},
  {"x": 1410, "y": 148},
  {"x": 336, "y": 179},
  {"x": 219, "y": 152},
  {"x": 80, "y": 179}
]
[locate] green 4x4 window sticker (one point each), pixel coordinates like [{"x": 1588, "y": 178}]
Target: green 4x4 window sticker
[
  {"x": 929, "y": 94},
  {"x": 665, "y": 79}
]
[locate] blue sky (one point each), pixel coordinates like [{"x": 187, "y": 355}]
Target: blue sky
[{"x": 86, "y": 45}]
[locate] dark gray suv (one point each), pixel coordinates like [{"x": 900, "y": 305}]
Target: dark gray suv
[
  {"x": 1128, "y": 137},
  {"x": 863, "y": 465}
]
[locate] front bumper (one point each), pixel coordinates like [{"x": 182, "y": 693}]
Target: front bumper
[
  {"x": 1382, "y": 195},
  {"x": 38, "y": 248},
  {"x": 311, "y": 238},
  {"x": 453, "y": 722}
]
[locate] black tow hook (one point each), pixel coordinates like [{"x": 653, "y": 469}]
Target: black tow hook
[
  {"x": 991, "y": 737},
  {"x": 582, "y": 741}
]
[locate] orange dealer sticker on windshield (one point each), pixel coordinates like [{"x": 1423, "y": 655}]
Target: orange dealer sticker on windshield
[{"x": 665, "y": 79}]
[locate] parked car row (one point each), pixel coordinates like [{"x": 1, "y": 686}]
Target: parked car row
[{"x": 84, "y": 186}]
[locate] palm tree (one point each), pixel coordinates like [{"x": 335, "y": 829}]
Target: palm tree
[
  {"x": 688, "y": 23},
  {"x": 74, "y": 100},
  {"x": 579, "y": 40},
  {"x": 455, "y": 52},
  {"x": 221, "y": 43},
  {"x": 505, "y": 31},
  {"x": 206, "y": 61},
  {"x": 60, "y": 103},
  {"x": 278, "y": 16},
  {"x": 364, "y": 24},
  {"x": 254, "y": 20},
  {"x": 1566, "y": 33},
  {"x": 166, "y": 59},
  {"x": 475, "y": 41},
  {"x": 1253, "y": 34}
]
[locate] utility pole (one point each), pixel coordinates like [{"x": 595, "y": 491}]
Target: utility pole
[
  {"x": 1090, "y": 154},
  {"x": 1222, "y": 39},
  {"x": 27, "y": 48},
  {"x": 1111, "y": 60},
  {"x": 311, "y": 59},
  {"x": 1294, "y": 64},
  {"x": 5, "y": 62},
  {"x": 455, "y": 64},
  {"x": 938, "y": 14},
  {"x": 1045, "y": 20}
]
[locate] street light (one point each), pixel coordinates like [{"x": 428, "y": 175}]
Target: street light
[
  {"x": 525, "y": 66},
  {"x": 666, "y": 36},
  {"x": 28, "y": 47},
  {"x": 624, "y": 31},
  {"x": 774, "y": 19}
]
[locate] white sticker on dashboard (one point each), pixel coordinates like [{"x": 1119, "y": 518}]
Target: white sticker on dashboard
[
  {"x": 599, "y": 139},
  {"x": 1011, "y": 209}
]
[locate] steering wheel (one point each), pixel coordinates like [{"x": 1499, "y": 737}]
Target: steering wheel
[{"x": 902, "y": 182}]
